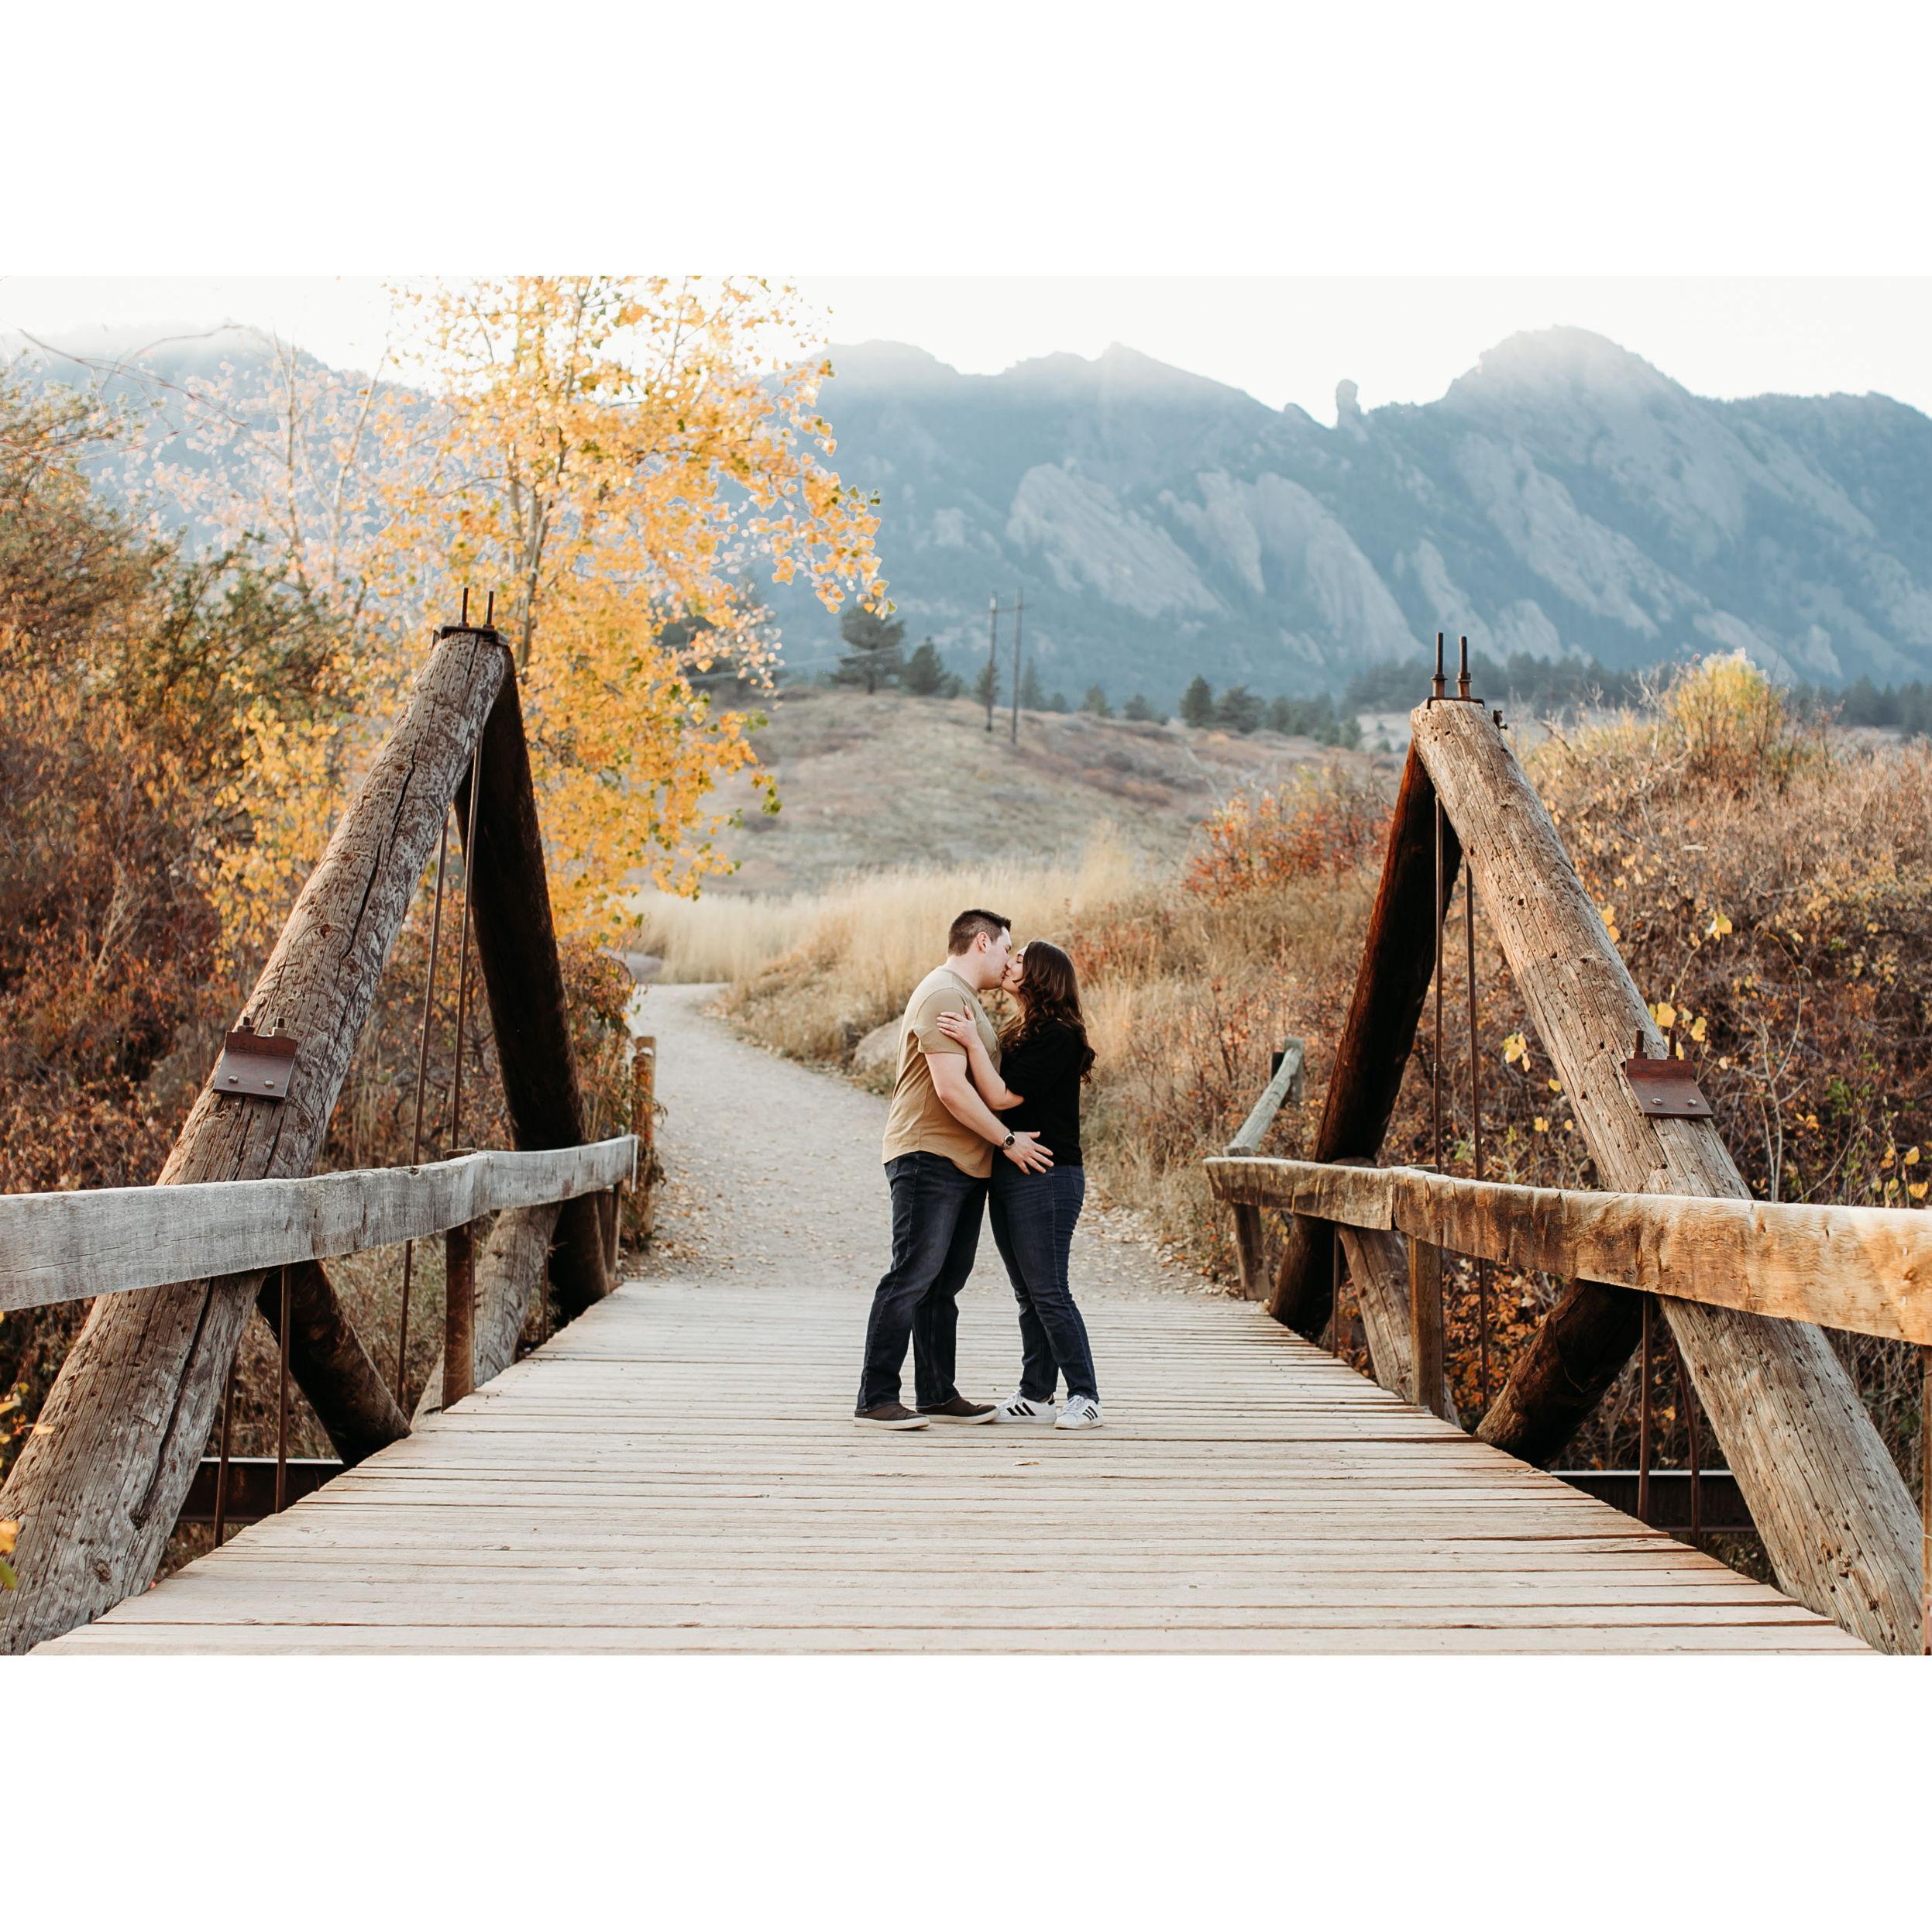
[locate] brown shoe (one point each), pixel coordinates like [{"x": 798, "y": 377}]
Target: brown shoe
[
  {"x": 890, "y": 1415},
  {"x": 959, "y": 1410}
]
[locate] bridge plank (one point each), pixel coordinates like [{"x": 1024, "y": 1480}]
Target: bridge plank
[{"x": 678, "y": 1471}]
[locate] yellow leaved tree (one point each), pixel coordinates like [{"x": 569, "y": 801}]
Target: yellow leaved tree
[{"x": 617, "y": 459}]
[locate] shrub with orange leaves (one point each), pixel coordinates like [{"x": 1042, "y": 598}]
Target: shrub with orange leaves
[{"x": 1323, "y": 823}]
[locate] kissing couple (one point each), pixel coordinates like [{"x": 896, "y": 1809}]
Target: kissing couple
[{"x": 979, "y": 1120}]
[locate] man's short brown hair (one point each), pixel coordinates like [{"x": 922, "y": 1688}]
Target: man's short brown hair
[{"x": 968, "y": 926}]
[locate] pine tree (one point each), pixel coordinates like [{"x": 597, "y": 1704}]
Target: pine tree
[
  {"x": 1238, "y": 710},
  {"x": 1031, "y": 698},
  {"x": 986, "y": 686},
  {"x": 872, "y": 649},
  {"x": 1058, "y": 702},
  {"x": 1140, "y": 711},
  {"x": 1096, "y": 701},
  {"x": 1197, "y": 704},
  {"x": 924, "y": 673}
]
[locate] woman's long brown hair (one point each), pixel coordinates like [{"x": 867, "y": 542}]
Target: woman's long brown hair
[{"x": 1049, "y": 994}]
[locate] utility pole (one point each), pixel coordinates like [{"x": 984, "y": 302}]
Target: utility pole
[
  {"x": 992, "y": 655},
  {"x": 1018, "y": 609}
]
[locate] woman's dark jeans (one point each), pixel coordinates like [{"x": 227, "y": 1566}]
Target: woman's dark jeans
[{"x": 1033, "y": 1216}]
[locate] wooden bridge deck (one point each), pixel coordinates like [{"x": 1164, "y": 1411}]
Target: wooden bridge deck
[{"x": 676, "y": 1472}]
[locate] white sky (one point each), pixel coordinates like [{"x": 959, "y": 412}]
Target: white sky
[{"x": 1282, "y": 340}]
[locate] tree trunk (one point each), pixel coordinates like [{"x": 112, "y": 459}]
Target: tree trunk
[
  {"x": 508, "y": 1271},
  {"x": 516, "y": 948},
  {"x": 108, "y": 1464},
  {"x": 330, "y": 1367},
  {"x": 1832, "y": 1508},
  {"x": 1398, "y": 961}
]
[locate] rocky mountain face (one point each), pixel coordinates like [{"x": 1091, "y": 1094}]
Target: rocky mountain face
[{"x": 1564, "y": 497}]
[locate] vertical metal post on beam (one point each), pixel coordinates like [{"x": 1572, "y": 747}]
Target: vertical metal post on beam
[
  {"x": 1247, "y": 1250},
  {"x": 1436, "y": 1054},
  {"x": 1426, "y": 1325},
  {"x": 221, "y": 1471},
  {"x": 1643, "y": 1413},
  {"x": 281, "y": 1407},
  {"x": 1334, "y": 1292},
  {"x": 644, "y": 1109}
]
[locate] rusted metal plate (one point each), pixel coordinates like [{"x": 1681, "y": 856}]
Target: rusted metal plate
[
  {"x": 1666, "y": 1089},
  {"x": 258, "y": 1064}
]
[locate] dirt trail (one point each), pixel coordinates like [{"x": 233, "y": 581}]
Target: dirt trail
[{"x": 772, "y": 1170}]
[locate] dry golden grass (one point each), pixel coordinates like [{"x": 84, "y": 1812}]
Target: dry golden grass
[{"x": 819, "y": 969}]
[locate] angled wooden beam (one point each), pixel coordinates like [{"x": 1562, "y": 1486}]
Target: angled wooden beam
[
  {"x": 1379, "y": 1267},
  {"x": 329, "y": 1364},
  {"x": 516, "y": 947},
  {"x": 104, "y": 1474},
  {"x": 1398, "y": 960},
  {"x": 1833, "y": 1510}
]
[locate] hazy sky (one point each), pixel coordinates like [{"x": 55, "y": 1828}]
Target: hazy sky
[{"x": 1281, "y": 339}]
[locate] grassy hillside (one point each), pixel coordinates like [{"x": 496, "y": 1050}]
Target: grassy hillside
[{"x": 889, "y": 780}]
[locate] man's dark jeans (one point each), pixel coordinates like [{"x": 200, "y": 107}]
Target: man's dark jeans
[
  {"x": 936, "y": 1215},
  {"x": 1033, "y": 1216}
]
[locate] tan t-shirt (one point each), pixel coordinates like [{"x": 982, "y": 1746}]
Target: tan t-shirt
[{"x": 920, "y": 1121}]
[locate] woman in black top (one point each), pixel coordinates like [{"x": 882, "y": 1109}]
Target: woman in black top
[{"x": 1043, "y": 1059}]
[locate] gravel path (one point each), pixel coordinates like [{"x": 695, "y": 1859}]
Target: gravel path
[{"x": 772, "y": 1170}]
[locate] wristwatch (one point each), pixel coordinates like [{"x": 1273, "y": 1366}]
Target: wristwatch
[{"x": 1008, "y": 1142}]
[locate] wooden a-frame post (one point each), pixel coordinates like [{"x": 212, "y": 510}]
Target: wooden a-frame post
[
  {"x": 1378, "y": 1035},
  {"x": 1837, "y": 1521},
  {"x": 523, "y": 977},
  {"x": 103, "y": 1475}
]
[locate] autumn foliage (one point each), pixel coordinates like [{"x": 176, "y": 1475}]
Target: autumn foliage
[
  {"x": 617, "y": 459},
  {"x": 1769, "y": 884}
]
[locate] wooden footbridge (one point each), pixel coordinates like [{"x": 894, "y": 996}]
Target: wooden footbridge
[{"x": 675, "y": 1469}]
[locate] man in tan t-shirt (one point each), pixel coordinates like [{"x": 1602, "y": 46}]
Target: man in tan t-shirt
[{"x": 940, "y": 1141}]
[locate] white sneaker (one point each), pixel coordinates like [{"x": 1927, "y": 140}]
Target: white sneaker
[
  {"x": 1019, "y": 1408},
  {"x": 1079, "y": 1412}
]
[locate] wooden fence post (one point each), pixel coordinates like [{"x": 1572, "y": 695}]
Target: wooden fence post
[
  {"x": 459, "y": 1313},
  {"x": 1834, "y": 1511},
  {"x": 1379, "y": 1267},
  {"x": 103, "y": 1477},
  {"x": 643, "y": 1124},
  {"x": 509, "y": 1270},
  {"x": 1425, "y": 1329}
]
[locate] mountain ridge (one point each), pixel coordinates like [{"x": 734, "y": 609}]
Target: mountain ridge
[{"x": 1564, "y": 495}]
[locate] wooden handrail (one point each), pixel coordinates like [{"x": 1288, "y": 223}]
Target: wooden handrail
[
  {"x": 1286, "y": 1085},
  {"x": 1869, "y": 1270},
  {"x": 68, "y": 1247}
]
